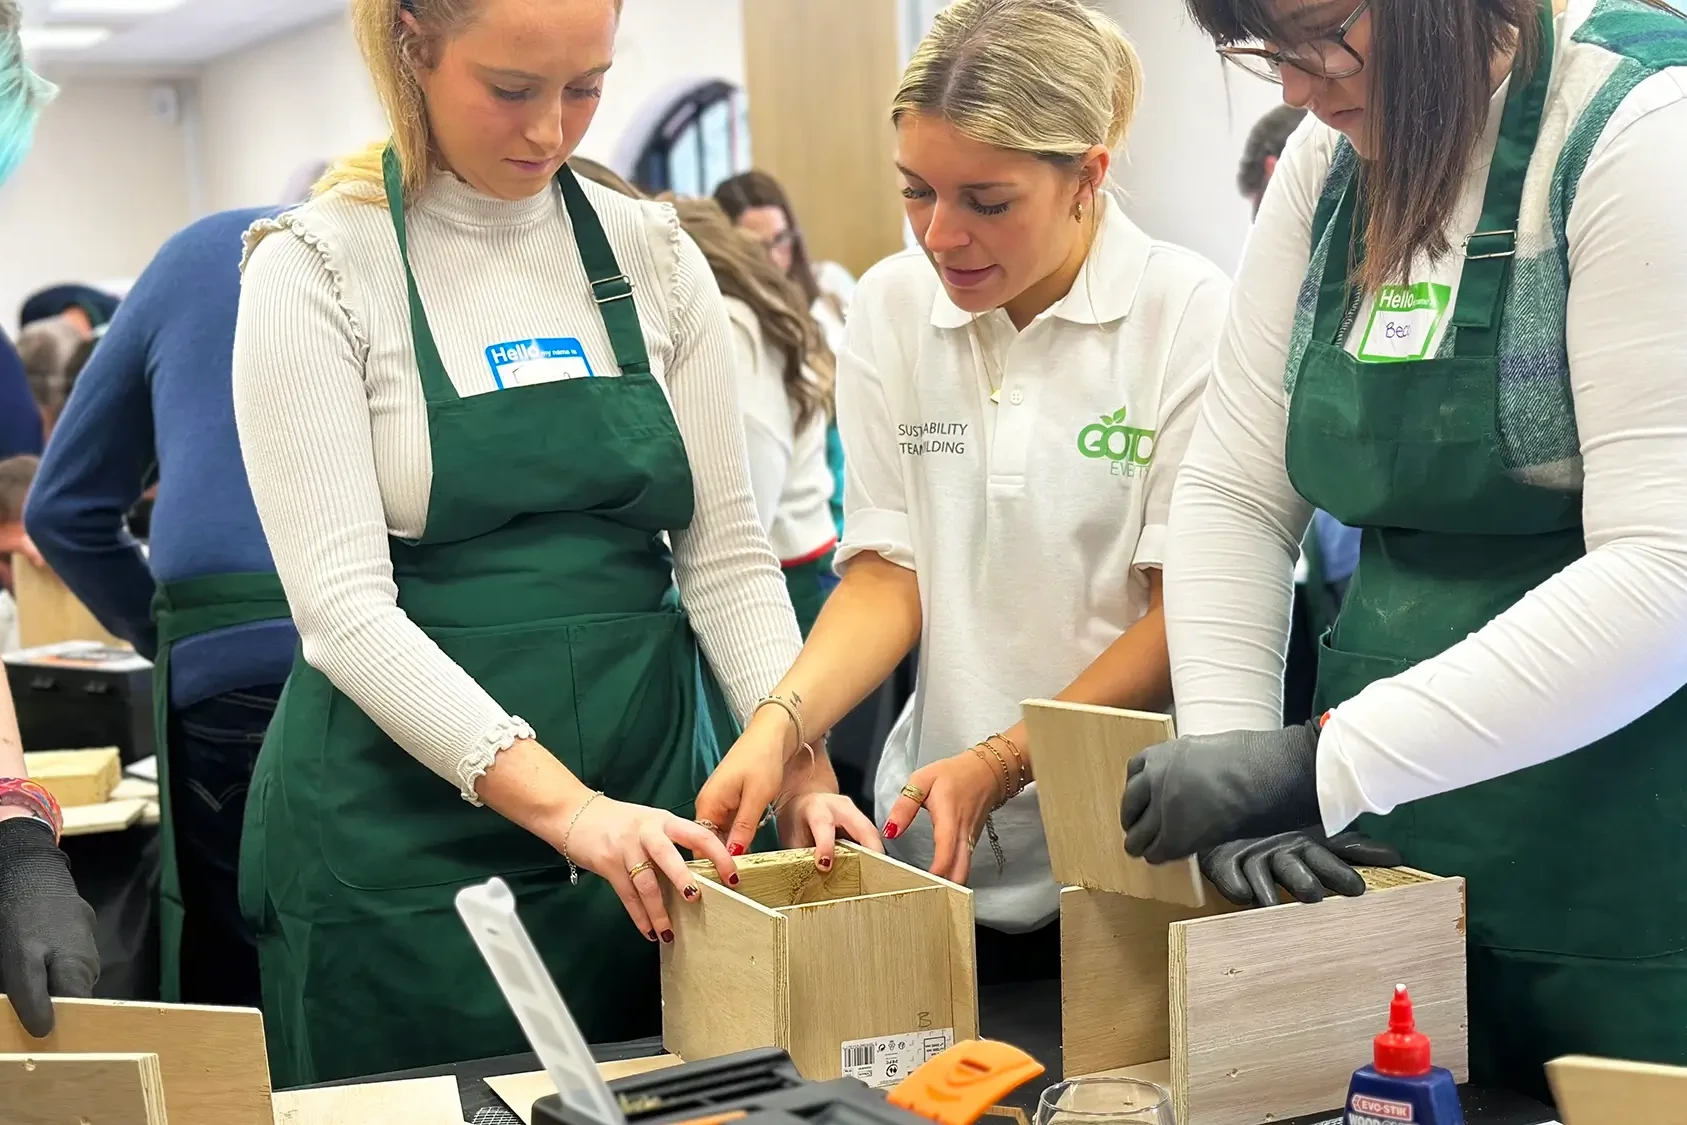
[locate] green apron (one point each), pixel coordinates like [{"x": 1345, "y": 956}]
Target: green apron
[
  {"x": 808, "y": 596},
  {"x": 544, "y": 573},
  {"x": 181, "y": 610},
  {"x": 1577, "y": 922}
]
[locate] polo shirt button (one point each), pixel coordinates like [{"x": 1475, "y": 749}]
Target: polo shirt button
[{"x": 1016, "y": 397}]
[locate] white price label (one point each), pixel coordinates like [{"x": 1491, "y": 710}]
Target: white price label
[{"x": 887, "y": 1060}]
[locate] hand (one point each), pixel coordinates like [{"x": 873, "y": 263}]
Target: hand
[
  {"x": 611, "y": 839},
  {"x": 1247, "y": 872},
  {"x": 1191, "y": 794},
  {"x": 749, "y": 779},
  {"x": 46, "y": 930},
  {"x": 812, "y": 820},
  {"x": 960, "y": 792}
]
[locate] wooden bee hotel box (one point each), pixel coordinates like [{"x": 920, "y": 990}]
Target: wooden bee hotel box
[
  {"x": 1244, "y": 1015},
  {"x": 871, "y": 961}
]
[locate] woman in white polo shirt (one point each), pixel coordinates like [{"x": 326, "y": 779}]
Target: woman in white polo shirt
[{"x": 1014, "y": 399}]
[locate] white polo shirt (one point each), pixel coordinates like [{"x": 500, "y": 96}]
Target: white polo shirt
[{"x": 1030, "y": 522}]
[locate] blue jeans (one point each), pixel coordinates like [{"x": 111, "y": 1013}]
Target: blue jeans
[{"x": 213, "y": 746}]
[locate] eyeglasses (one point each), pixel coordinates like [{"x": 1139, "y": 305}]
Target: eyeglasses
[
  {"x": 779, "y": 241},
  {"x": 1328, "y": 56}
]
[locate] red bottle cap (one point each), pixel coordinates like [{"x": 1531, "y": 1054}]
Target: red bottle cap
[{"x": 1401, "y": 1051}]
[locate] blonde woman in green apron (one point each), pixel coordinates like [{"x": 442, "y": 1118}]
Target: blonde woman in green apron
[
  {"x": 488, "y": 416},
  {"x": 1458, "y": 327}
]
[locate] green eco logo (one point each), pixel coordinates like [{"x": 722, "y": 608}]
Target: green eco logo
[{"x": 1129, "y": 448}]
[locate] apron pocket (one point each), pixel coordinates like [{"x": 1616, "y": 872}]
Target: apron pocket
[
  {"x": 1343, "y": 675},
  {"x": 390, "y": 823},
  {"x": 635, "y": 696}
]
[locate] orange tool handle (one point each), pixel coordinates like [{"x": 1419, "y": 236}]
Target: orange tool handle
[{"x": 960, "y": 1085}]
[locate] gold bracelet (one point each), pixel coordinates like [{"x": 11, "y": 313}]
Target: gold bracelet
[
  {"x": 1018, "y": 756},
  {"x": 1007, "y": 784},
  {"x": 791, "y": 707},
  {"x": 573, "y": 871}
]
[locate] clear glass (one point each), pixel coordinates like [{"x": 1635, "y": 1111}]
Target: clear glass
[{"x": 1105, "y": 1101}]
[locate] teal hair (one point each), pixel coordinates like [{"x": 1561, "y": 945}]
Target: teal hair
[{"x": 22, "y": 93}]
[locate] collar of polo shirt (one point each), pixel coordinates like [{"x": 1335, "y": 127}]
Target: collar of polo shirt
[{"x": 1105, "y": 288}]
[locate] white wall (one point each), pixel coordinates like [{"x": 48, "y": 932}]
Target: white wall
[
  {"x": 1179, "y": 167},
  {"x": 272, "y": 108},
  {"x": 104, "y": 186}
]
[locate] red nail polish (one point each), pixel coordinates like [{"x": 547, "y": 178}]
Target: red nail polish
[
  {"x": 891, "y": 831},
  {"x": 651, "y": 934},
  {"x": 668, "y": 936},
  {"x": 732, "y": 882},
  {"x": 825, "y": 865},
  {"x": 690, "y": 892},
  {"x": 735, "y": 849}
]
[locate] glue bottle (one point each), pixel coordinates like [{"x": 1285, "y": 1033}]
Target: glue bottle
[{"x": 1400, "y": 1087}]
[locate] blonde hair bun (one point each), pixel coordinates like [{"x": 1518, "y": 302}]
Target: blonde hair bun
[{"x": 1053, "y": 78}]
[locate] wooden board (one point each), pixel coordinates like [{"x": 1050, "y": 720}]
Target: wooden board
[
  {"x": 1606, "y": 1092},
  {"x": 1271, "y": 1010},
  {"x": 881, "y": 873},
  {"x": 520, "y": 1091},
  {"x": 212, "y": 1059},
  {"x": 76, "y": 777},
  {"x": 49, "y": 613},
  {"x": 1114, "y": 995},
  {"x": 865, "y": 967},
  {"x": 113, "y": 816},
  {"x": 1080, "y": 754},
  {"x": 786, "y": 878},
  {"x": 724, "y": 981},
  {"x": 109, "y": 1089},
  {"x": 416, "y": 1101}
]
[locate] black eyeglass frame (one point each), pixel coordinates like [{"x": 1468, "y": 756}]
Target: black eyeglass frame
[{"x": 1276, "y": 60}]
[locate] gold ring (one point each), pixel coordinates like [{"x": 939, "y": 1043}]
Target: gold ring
[
  {"x": 637, "y": 869},
  {"x": 914, "y": 793},
  {"x": 704, "y": 822}
]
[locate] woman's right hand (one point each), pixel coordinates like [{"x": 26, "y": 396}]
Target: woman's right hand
[{"x": 612, "y": 839}]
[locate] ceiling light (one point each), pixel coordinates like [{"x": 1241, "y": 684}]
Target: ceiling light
[
  {"x": 118, "y": 8},
  {"x": 63, "y": 38}
]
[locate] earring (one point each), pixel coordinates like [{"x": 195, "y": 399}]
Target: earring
[{"x": 1079, "y": 216}]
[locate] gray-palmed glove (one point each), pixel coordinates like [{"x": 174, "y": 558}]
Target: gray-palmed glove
[
  {"x": 46, "y": 930},
  {"x": 1306, "y": 863},
  {"x": 1190, "y": 794}
]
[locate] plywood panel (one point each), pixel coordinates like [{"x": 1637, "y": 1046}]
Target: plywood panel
[
  {"x": 1605, "y": 1092},
  {"x": 865, "y": 967},
  {"x": 76, "y": 777},
  {"x": 48, "y": 612},
  {"x": 881, "y": 873},
  {"x": 1114, "y": 995},
  {"x": 786, "y": 878},
  {"x": 821, "y": 75},
  {"x": 724, "y": 977},
  {"x": 93, "y": 1089},
  {"x": 1080, "y": 754},
  {"x": 520, "y": 1091},
  {"x": 417, "y": 1101},
  {"x": 212, "y": 1059},
  {"x": 1268, "y": 1007},
  {"x": 113, "y": 816}
]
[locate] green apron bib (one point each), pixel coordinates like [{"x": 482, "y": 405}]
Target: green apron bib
[
  {"x": 544, "y": 574},
  {"x": 1577, "y": 922},
  {"x": 181, "y": 610},
  {"x": 808, "y": 596}
]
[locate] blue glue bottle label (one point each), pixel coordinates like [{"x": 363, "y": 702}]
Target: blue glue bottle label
[{"x": 1362, "y": 1109}]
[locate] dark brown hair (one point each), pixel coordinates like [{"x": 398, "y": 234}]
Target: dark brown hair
[
  {"x": 1430, "y": 72},
  {"x": 758, "y": 189}
]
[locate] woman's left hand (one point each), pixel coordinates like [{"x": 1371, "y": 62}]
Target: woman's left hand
[
  {"x": 959, "y": 793},
  {"x": 748, "y": 780},
  {"x": 813, "y": 820}
]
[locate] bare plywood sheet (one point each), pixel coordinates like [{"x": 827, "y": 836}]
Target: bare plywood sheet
[
  {"x": 786, "y": 878},
  {"x": 881, "y": 873},
  {"x": 110, "y": 1089},
  {"x": 212, "y": 1060},
  {"x": 417, "y": 1101},
  {"x": 1271, "y": 1010},
  {"x": 49, "y": 613},
  {"x": 1606, "y": 1092},
  {"x": 113, "y": 816},
  {"x": 76, "y": 777},
  {"x": 1080, "y": 754},
  {"x": 520, "y": 1091},
  {"x": 724, "y": 979}
]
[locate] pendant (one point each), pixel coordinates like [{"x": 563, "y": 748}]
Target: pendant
[{"x": 996, "y": 396}]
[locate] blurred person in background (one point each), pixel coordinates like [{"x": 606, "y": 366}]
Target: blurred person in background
[
  {"x": 83, "y": 307},
  {"x": 50, "y": 349},
  {"x": 1263, "y": 149},
  {"x": 16, "y": 475},
  {"x": 46, "y": 931},
  {"x": 204, "y": 604}
]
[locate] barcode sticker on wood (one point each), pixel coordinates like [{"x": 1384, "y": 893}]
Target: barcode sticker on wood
[{"x": 887, "y": 1060}]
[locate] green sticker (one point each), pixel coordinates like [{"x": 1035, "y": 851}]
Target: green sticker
[{"x": 1404, "y": 322}]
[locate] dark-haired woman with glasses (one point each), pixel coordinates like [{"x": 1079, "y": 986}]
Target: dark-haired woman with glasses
[{"x": 1459, "y": 327}]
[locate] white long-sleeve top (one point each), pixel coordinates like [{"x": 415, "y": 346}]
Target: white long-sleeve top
[
  {"x": 334, "y": 432},
  {"x": 1588, "y": 651}
]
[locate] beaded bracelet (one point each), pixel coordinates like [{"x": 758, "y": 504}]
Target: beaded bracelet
[{"x": 30, "y": 795}]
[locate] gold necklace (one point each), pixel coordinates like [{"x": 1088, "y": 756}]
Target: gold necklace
[{"x": 990, "y": 376}]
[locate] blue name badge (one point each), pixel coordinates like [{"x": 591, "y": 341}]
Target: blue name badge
[{"x": 523, "y": 363}]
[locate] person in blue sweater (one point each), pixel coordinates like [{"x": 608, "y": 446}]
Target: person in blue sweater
[
  {"x": 203, "y": 602},
  {"x": 20, "y": 420}
]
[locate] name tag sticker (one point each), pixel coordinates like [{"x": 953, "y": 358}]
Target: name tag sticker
[
  {"x": 1404, "y": 322},
  {"x": 523, "y": 363}
]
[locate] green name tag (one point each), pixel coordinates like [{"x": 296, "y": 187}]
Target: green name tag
[{"x": 1404, "y": 322}]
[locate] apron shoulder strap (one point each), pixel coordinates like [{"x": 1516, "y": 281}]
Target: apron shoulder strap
[{"x": 611, "y": 289}]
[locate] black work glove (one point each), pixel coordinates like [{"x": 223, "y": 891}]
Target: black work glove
[
  {"x": 1190, "y": 794},
  {"x": 46, "y": 930},
  {"x": 1247, "y": 872}
]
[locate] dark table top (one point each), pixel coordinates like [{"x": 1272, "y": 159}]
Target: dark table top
[{"x": 1026, "y": 1015}]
